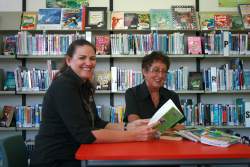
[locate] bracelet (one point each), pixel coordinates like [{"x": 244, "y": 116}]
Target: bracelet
[{"x": 125, "y": 126}]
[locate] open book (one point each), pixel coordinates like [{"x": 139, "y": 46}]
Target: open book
[{"x": 168, "y": 115}]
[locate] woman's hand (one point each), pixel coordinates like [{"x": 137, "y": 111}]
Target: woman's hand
[
  {"x": 137, "y": 123},
  {"x": 144, "y": 133}
]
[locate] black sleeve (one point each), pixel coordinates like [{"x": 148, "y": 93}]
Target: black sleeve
[
  {"x": 131, "y": 106},
  {"x": 69, "y": 108},
  {"x": 178, "y": 105},
  {"x": 99, "y": 123}
]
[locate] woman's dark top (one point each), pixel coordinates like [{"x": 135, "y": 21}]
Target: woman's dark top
[
  {"x": 68, "y": 117},
  {"x": 139, "y": 102}
]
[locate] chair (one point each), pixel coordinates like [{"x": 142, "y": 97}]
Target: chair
[{"x": 14, "y": 152}]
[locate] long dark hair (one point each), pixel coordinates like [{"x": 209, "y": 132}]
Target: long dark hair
[{"x": 70, "y": 52}]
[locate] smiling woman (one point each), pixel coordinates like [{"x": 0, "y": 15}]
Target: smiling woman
[
  {"x": 144, "y": 100},
  {"x": 70, "y": 117}
]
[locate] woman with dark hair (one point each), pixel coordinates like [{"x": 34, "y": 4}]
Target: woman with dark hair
[
  {"x": 144, "y": 100},
  {"x": 69, "y": 115}
]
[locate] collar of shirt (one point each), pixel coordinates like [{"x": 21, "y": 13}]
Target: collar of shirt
[{"x": 144, "y": 92}]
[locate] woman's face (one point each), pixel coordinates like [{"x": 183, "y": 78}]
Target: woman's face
[
  {"x": 83, "y": 62},
  {"x": 156, "y": 75}
]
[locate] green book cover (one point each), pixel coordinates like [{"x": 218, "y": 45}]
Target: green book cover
[
  {"x": 160, "y": 19},
  {"x": 168, "y": 115}
]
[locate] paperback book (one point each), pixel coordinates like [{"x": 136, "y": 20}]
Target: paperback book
[
  {"x": 29, "y": 21},
  {"x": 223, "y": 21},
  {"x": 8, "y": 112},
  {"x": 219, "y": 138},
  {"x": 71, "y": 19},
  {"x": 102, "y": 44},
  {"x": 117, "y": 20},
  {"x": 194, "y": 45},
  {"x": 130, "y": 20},
  {"x": 160, "y": 19},
  {"x": 103, "y": 80},
  {"x": 245, "y": 14},
  {"x": 184, "y": 17},
  {"x": 49, "y": 19},
  {"x": 207, "y": 21},
  {"x": 143, "y": 21},
  {"x": 167, "y": 116}
]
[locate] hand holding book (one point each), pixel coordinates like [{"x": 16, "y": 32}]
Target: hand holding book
[{"x": 168, "y": 116}]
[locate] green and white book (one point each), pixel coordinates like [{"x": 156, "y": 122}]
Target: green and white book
[{"x": 168, "y": 115}]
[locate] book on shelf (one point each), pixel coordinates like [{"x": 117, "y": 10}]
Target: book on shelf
[
  {"x": 245, "y": 14},
  {"x": 29, "y": 21},
  {"x": 194, "y": 45},
  {"x": 96, "y": 18},
  {"x": 71, "y": 19},
  {"x": 9, "y": 83},
  {"x": 117, "y": 20},
  {"x": 130, "y": 20},
  {"x": 160, "y": 19},
  {"x": 7, "y": 116},
  {"x": 247, "y": 79},
  {"x": 167, "y": 115},
  {"x": 247, "y": 114},
  {"x": 102, "y": 44},
  {"x": 103, "y": 80},
  {"x": 49, "y": 19},
  {"x": 143, "y": 21},
  {"x": 207, "y": 21},
  {"x": 10, "y": 45},
  {"x": 1, "y": 79},
  {"x": 237, "y": 23},
  {"x": 222, "y": 21},
  {"x": 195, "y": 81},
  {"x": 184, "y": 17}
]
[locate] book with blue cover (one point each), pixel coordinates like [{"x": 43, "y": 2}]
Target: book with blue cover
[{"x": 49, "y": 19}]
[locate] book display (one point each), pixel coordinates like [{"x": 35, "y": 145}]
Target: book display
[{"x": 209, "y": 54}]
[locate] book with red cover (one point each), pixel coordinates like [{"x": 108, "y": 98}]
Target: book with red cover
[
  {"x": 102, "y": 44},
  {"x": 222, "y": 21}
]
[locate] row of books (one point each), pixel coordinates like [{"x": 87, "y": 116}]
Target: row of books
[
  {"x": 178, "y": 17},
  {"x": 212, "y": 79},
  {"x": 34, "y": 79},
  {"x": 113, "y": 114},
  {"x": 224, "y": 43},
  {"x": 28, "y": 116},
  {"x": 236, "y": 114},
  {"x": 122, "y": 79},
  {"x": 39, "y": 44},
  {"x": 220, "y": 79},
  {"x": 21, "y": 116}
]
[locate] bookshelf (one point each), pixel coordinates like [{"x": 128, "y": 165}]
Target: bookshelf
[{"x": 125, "y": 61}]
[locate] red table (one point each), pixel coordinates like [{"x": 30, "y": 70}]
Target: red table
[{"x": 161, "y": 152}]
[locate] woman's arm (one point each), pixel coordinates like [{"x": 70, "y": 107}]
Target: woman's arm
[{"x": 142, "y": 133}]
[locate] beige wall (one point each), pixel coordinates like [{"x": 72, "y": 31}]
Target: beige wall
[{"x": 122, "y": 5}]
